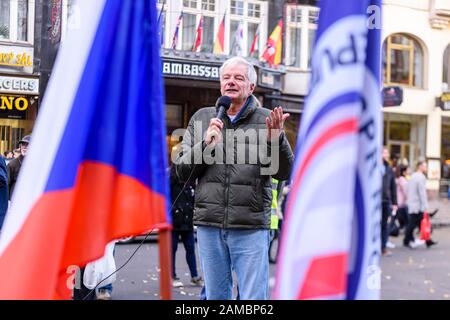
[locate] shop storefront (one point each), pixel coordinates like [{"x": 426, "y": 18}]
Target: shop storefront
[
  {"x": 19, "y": 92},
  {"x": 405, "y": 137}
]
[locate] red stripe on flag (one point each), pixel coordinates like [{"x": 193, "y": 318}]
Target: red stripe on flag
[
  {"x": 326, "y": 276},
  {"x": 72, "y": 227},
  {"x": 348, "y": 126}
]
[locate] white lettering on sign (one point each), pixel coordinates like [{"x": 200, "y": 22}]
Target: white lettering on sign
[
  {"x": 190, "y": 70},
  {"x": 19, "y": 85}
]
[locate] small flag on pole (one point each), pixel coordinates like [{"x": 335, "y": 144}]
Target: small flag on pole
[
  {"x": 219, "y": 44},
  {"x": 198, "y": 37},
  {"x": 177, "y": 29},
  {"x": 254, "y": 48},
  {"x": 95, "y": 170},
  {"x": 272, "y": 53},
  {"x": 330, "y": 246},
  {"x": 238, "y": 41}
]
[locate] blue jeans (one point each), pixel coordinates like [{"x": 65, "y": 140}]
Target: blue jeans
[{"x": 245, "y": 252}]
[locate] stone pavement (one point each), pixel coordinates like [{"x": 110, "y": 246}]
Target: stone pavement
[{"x": 421, "y": 273}]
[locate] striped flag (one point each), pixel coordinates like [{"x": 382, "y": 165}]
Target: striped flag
[
  {"x": 177, "y": 29},
  {"x": 331, "y": 244},
  {"x": 219, "y": 44},
  {"x": 272, "y": 53},
  {"x": 198, "y": 37},
  {"x": 95, "y": 170},
  {"x": 254, "y": 46}
]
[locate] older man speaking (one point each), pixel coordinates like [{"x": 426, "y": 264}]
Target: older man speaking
[{"x": 233, "y": 197}]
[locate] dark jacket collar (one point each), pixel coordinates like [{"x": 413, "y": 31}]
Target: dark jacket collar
[{"x": 248, "y": 108}]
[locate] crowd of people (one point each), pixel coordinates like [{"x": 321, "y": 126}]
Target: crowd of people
[{"x": 404, "y": 204}]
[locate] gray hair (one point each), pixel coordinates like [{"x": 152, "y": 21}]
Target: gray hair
[{"x": 251, "y": 73}]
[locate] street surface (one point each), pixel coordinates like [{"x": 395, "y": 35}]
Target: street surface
[{"x": 408, "y": 274}]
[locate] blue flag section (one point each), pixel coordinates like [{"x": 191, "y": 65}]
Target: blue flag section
[
  {"x": 96, "y": 169},
  {"x": 338, "y": 155}
]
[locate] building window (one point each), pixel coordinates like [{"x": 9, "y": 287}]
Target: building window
[
  {"x": 446, "y": 75},
  {"x": 237, "y": 7},
  {"x": 15, "y": 20},
  {"x": 245, "y": 17},
  {"x": 5, "y": 9},
  {"x": 209, "y": 5},
  {"x": 190, "y": 4},
  {"x": 301, "y": 27},
  {"x": 402, "y": 61},
  {"x": 193, "y": 10},
  {"x": 189, "y": 30}
]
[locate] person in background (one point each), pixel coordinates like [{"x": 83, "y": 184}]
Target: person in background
[
  {"x": 182, "y": 220},
  {"x": 3, "y": 191},
  {"x": 8, "y": 156},
  {"x": 15, "y": 164},
  {"x": 16, "y": 153},
  {"x": 389, "y": 200},
  {"x": 417, "y": 204},
  {"x": 402, "y": 196}
]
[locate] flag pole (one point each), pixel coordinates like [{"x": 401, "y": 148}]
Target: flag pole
[{"x": 165, "y": 263}]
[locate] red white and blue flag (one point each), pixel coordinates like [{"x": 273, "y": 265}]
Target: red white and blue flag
[
  {"x": 177, "y": 30},
  {"x": 331, "y": 243},
  {"x": 198, "y": 36},
  {"x": 95, "y": 170}
]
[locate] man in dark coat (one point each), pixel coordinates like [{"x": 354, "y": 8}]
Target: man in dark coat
[
  {"x": 183, "y": 227},
  {"x": 233, "y": 197},
  {"x": 389, "y": 199},
  {"x": 15, "y": 164}
]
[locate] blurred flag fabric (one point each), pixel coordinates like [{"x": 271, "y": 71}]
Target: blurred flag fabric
[
  {"x": 272, "y": 53},
  {"x": 198, "y": 36},
  {"x": 254, "y": 47},
  {"x": 330, "y": 243},
  {"x": 177, "y": 29},
  {"x": 219, "y": 44},
  {"x": 96, "y": 166},
  {"x": 238, "y": 40}
]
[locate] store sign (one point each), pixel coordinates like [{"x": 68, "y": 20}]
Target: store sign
[
  {"x": 392, "y": 96},
  {"x": 12, "y": 107},
  {"x": 445, "y": 101},
  {"x": 19, "y": 85},
  {"x": 13, "y": 58},
  {"x": 270, "y": 80},
  {"x": 189, "y": 70}
]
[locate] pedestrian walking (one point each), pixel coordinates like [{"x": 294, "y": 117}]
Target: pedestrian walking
[
  {"x": 234, "y": 198},
  {"x": 389, "y": 200},
  {"x": 417, "y": 204},
  {"x": 182, "y": 220}
]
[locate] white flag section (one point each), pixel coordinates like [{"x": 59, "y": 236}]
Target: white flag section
[{"x": 330, "y": 242}]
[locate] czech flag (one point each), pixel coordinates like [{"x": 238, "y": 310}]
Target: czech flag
[
  {"x": 219, "y": 44},
  {"x": 272, "y": 53},
  {"x": 96, "y": 165},
  {"x": 330, "y": 246}
]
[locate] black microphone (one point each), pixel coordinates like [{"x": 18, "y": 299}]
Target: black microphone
[{"x": 224, "y": 104}]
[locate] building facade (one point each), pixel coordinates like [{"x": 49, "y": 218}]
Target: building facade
[
  {"x": 416, "y": 57},
  {"x": 19, "y": 77}
]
